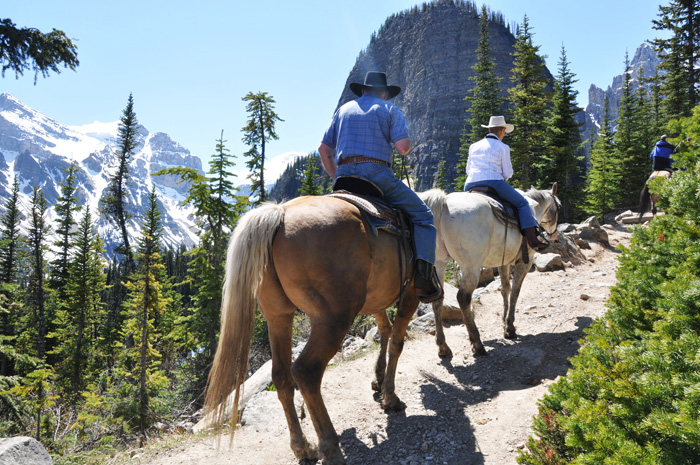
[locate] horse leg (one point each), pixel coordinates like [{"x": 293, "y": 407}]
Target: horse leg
[
  {"x": 521, "y": 270},
  {"x": 279, "y": 313},
  {"x": 444, "y": 350},
  {"x": 324, "y": 341},
  {"x": 469, "y": 281},
  {"x": 384, "y": 327},
  {"x": 390, "y": 401},
  {"x": 508, "y": 328}
]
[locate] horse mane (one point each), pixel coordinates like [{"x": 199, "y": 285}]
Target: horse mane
[{"x": 540, "y": 196}]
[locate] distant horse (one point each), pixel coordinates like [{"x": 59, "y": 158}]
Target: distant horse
[
  {"x": 470, "y": 233},
  {"x": 647, "y": 198},
  {"x": 317, "y": 254}
]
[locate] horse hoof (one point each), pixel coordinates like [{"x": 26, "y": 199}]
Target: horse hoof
[
  {"x": 478, "y": 350},
  {"x": 445, "y": 352},
  {"x": 510, "y": 334},
  {"x": 394, "y": 404}
]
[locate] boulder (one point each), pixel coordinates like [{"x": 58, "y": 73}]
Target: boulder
[
  {"x": 22, "y": 450},
  {"x": 548, "y": 262},
  {"x": 599, "y": 235}
]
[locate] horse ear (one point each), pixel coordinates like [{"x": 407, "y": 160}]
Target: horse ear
[{"x": 554, "y": 189}]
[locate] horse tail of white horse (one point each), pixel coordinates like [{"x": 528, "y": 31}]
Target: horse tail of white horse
[
  {"x": 249, "y": 252},
  {"x": 435, "y": 199}
]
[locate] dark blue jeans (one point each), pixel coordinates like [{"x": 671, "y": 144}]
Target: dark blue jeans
[{"x": 510, "y": 195}]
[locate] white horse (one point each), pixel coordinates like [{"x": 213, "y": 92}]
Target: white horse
[{"x": 470, "y": 233}]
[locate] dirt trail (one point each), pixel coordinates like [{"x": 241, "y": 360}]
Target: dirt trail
[{"x": 465, "y": 410}]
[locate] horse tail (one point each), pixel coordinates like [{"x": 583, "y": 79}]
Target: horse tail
[
  {"x": 249, "y": 252},
  {"x": 435, "y": 199},
  {"x": 644, "y": 200}
]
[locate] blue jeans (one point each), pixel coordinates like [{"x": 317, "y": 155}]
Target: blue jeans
[
  {"x": 400, "y": 196},
  {"x": 510, "y": 195}
]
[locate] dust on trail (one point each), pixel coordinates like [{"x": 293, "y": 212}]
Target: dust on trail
[{"x": 463, "y": 410}]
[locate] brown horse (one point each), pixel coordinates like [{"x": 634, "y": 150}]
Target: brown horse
[
  {"x": 647, "y": 198},
  {"x": 319, "y": 255}
]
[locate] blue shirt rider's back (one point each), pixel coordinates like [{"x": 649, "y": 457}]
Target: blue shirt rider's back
[
  {"x": 366, "y": 126},
  {"x": 661, "y": 156}
]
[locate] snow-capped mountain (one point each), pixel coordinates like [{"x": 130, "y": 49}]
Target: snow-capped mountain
[{"x": 37, "y": 149}]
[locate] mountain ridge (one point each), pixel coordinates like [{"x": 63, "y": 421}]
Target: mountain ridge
[{"x": 37, "y": 149}]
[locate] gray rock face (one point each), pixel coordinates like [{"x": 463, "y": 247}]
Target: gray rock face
[
  {"x": 642, "y": 64},
  {"x": 429, "y": 53},
  {"x": 23, "y": 451}
]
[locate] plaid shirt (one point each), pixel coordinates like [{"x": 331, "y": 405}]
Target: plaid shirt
[{"x": 367, "y": 127}]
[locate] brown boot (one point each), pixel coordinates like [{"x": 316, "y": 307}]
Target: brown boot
[
  {"x": 426, "y": 283},
  {"x": 534, "y": 239}
]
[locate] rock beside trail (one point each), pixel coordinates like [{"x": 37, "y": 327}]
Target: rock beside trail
[{"x": 23, "y": 450}]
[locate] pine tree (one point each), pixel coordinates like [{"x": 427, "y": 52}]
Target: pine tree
[
  {"x": 309, "y": 185},
  {"x": 441, "y": 181},
  {"x": 11, "y": 242},
  {"x": 528, "y": 99},
  {"x": 217, "y": 207},
  {"x": 484, "y": 99},
  {"x": 115, "y": 203},
  {"x": 562, "y": 160},
  {"x": 65, "y": 209},
  {"x": 28, "y": 48},
  {"x": 37, "y": 291},
  {"x": 603, "y": 191},
  {"x": 631, "y": 146},
  {"x": 139, "y": 360},
  {"x": 77, "y": 317},
  {"x": 259, "y": 129},
  {"x": 11, "y": 238},
  {"x": 679, "y": 55}
]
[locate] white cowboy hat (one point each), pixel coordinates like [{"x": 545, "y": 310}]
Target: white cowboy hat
[{"x": 499, "y": 122}]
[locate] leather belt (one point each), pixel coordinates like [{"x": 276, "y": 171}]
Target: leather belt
[{"x": 376, "y": 161}]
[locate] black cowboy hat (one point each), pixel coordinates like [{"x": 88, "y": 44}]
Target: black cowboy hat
[{"x": 375, "y": 80}]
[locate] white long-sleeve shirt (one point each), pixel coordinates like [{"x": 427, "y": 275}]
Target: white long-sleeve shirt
[{"x": 489, "y": 159}]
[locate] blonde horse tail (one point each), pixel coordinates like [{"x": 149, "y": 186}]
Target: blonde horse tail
[
  {"x": 435, "y": 199},
  {"x": 249, "y": 252}
]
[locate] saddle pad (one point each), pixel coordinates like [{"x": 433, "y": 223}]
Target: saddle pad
[{"x": 378, "y": 213}]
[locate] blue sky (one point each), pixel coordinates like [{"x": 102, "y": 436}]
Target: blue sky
[{"x": 188, "y": 64}]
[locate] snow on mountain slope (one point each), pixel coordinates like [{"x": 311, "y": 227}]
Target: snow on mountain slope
[{"x": 36, "y": 150}]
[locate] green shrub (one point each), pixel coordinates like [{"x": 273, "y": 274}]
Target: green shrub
[{"x": 633, "y": 394}]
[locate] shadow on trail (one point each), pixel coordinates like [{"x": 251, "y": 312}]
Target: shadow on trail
[{"x": 448, "y": 436}]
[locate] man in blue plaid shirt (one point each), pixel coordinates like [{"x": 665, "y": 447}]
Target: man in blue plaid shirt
[{"x": 358, "y": 142}]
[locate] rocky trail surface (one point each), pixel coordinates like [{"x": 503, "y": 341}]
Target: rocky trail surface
[{"x": 463, "y": 410}]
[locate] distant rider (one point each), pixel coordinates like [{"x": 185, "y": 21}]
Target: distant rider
[
  {"x": 358, "y": 142},
  {"x": 661, "y": 155}
]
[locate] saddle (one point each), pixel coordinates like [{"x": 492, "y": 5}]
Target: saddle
[
  {"x": 505, "y": 212},
  {"x": 369, "y": 198}
]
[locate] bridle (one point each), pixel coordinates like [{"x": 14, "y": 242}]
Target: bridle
[{"x": 555, "y": 219}]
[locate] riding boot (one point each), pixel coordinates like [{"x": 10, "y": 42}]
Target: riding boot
[
  {"x": 426, "y": 283},
  {"x": 534, "y": 239}
]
